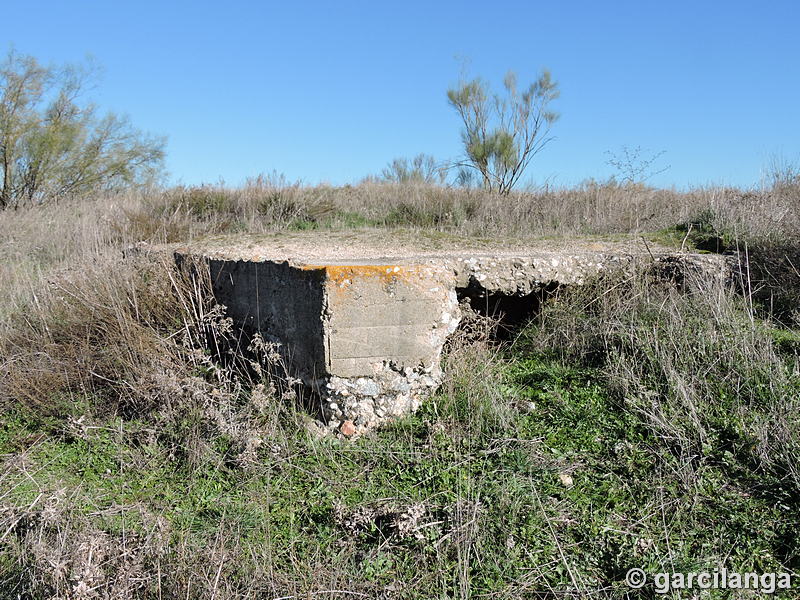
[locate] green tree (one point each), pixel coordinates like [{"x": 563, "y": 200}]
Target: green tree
[
  {"x": 54, "y": 145},
  {"x": 423, "y": 168},
  {"x": 502, "y": 134}
]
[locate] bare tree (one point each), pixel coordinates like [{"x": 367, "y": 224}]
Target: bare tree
[
  {"x": 635, "y": 165},
  {"x": 502, "y": 134}
]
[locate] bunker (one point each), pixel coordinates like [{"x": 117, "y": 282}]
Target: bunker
[{"x": 360, "y": 318}]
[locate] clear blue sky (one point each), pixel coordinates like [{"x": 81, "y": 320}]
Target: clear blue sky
[{"x": 332, "y": 91}]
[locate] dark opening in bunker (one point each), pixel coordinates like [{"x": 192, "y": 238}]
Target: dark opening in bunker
[{"x": 511, "y": 311}]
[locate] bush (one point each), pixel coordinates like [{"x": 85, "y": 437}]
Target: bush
[{"x": 700, "y": 368}]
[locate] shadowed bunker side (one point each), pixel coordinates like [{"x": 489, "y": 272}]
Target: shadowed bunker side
[{"x": 361, "y": 317}]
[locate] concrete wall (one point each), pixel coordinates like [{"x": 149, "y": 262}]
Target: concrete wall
[
  {"x": 282, "y": 303},
  {"x": 396, "y": 313}
]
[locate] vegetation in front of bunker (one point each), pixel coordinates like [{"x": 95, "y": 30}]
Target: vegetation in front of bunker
[{"x": 638, "y": 427}]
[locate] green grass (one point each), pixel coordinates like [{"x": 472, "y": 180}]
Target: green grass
[{"x": 498, "y": 515}]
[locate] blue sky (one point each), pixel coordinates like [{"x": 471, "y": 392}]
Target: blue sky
[{"x": 332, "y": 91}]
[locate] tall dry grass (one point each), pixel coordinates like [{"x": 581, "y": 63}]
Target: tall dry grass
[
  {"x": 700, "y": 366},
  {"x": 36, "y": 241}
]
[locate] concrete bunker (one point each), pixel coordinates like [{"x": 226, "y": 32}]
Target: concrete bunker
[{"x": 364, "y": 331}]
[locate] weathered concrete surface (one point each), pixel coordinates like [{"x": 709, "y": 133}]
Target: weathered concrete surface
[
  {"x": 361, "y": 317},
  {"x": 366, "y": 337}
]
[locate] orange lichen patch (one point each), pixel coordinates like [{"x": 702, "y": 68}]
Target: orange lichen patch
[{"x": 345, "y": 274}]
